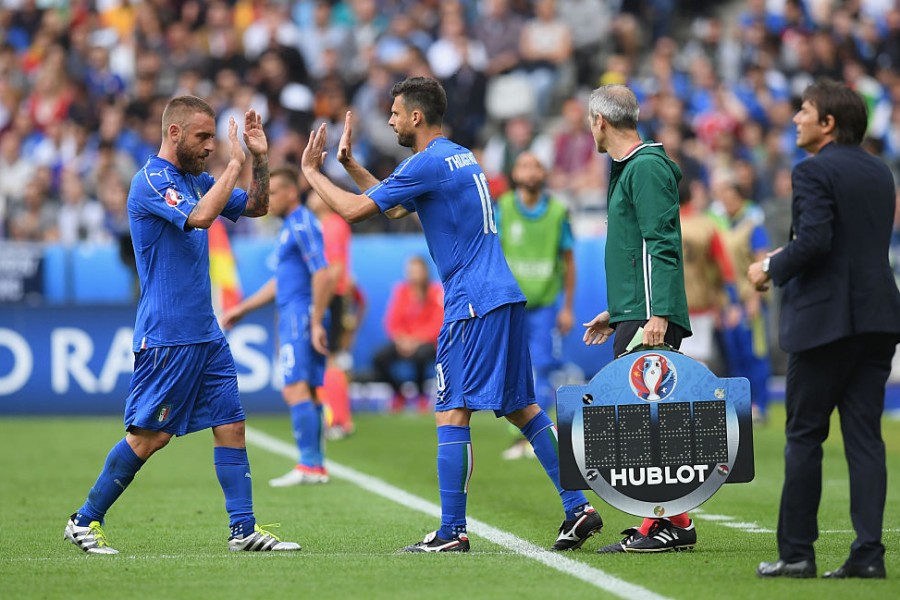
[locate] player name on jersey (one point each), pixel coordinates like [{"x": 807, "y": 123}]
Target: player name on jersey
[
  {"x": 458, "y": 161},
  {"x": 655, "y": 433}
]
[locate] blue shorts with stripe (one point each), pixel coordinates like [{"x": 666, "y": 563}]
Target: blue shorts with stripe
[
  {"x": 182, "y": 389},
  {"x": 299, "y": 360},
  {"x": 483, "y": 363}
]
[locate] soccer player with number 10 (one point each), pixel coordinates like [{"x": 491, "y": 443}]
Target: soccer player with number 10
[{"x": 482, "y": 357}]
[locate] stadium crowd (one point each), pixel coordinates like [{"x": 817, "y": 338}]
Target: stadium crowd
[{"x": 83, "y": 84}]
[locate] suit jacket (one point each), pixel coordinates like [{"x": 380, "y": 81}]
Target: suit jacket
[{"x": 835, "y": 271}]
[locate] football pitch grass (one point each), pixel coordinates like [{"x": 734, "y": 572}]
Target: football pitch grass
[{"x": 171, "y": 528}]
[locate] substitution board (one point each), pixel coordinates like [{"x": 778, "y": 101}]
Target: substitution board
[{"x": 655, "y": 433}]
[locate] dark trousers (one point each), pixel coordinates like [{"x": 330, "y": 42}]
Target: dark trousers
[
  {"x": 422, "y": 361},
  {"x": 849, "y": 374},
  {"x": 626, "y": 330}
]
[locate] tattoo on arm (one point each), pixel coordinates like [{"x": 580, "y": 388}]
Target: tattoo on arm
[{"x": 258, "y": 194}]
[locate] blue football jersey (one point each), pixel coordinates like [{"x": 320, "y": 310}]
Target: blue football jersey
[
  {"x": 447, "y": 188},
  {"x": 175, "y": 307},
  {"x": 301, "y": 253}
]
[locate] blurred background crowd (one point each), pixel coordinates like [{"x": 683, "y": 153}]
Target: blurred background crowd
[{"x": 83, "y": 84}]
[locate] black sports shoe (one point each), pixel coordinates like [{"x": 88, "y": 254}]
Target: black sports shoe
[
  {"x": 432, "y": 543},
  {"x": 663, "y": 537},
  {"x": 631, "y": 534},
  {"x": 572, "y": 534}
]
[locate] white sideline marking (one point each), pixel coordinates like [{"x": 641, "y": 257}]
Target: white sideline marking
[
  {"x": 568, "y": 566},
  {"x": 728, "y": 521}
]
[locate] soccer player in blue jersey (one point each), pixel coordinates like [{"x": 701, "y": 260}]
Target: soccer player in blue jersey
[
  {"x": 482, "y": 358},
  {"x": 184, "y": 375},
  {"x": 302, "y": 288}
]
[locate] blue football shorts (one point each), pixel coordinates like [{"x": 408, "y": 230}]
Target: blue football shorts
[
  {"x": 483, "y": 363},
  {"x": 183, "y": 389},
  {"x": 299, "y": 360}
]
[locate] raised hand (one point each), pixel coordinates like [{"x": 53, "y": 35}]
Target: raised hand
[
  {"x": 345, "y": 146},
  {"x": 237, "y": 151},
  {"x": 254, "y": 136},
  {"x": 314, "y": 153}
]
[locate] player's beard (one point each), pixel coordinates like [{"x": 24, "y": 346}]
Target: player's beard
[
  {"x": 190, "y": 162},
  {"x": 533, "y": 187},
  {"x": 407, "y": 140}
]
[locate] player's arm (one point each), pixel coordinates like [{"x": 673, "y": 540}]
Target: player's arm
[
  {"x": 211, "y": 204},
  {"x": 261, "y": 297},
  {"x": 655, "y": 198},
  {"x": 565, "y": 318},
  {"x": 361, "y": 177},
  {"x": 353, "y": 208},
  {"x": 323, "y": 283},
  {"x": 396, "y": 212},
  {"x": 258, "y": 145}
]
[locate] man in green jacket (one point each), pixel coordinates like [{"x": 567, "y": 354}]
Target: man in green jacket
[{"x": 644, "y": 267}]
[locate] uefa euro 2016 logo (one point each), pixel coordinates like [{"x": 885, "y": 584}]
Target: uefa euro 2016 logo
[{"x": 652, "y": 377}]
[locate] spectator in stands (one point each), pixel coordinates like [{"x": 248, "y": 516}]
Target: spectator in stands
[
  {"x": 500, "y": 31},
  {"x": 579, "y": 171},
  {"x": 102, "y": 82},
  {"x": 35, "y": 220},
  {"x": 48, "y": 102},
  {"x": 458, "y": 62},
  {"x": 545, "y": 46},
  {"x": 589, "y": 21},
  {"x": 322, "y": 35},
  {"x": 519, "y": 134},
  {"x": 80, "y": 217},
  {"x": 367, "y": 26},
  {"x": 394, "y": 49},
  {"x": 113, "y": 195},
  {"x": 272, "y": 28},
  {"x": 413, "y": 320},
  {"x": 16, "y": 169}
]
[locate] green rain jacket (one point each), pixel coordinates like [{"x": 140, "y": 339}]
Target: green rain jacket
[{"x": 644, "y": 262}]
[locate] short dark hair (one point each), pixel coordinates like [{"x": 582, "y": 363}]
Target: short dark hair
[
  {"x": 180, "y": 108},
  {"x": 845, "y": 105},
  {"x": 425, "y": 94}
]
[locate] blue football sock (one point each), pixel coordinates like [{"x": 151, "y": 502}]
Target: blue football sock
[
  {"x": 307, "y": 424},
  {"x": 118, "y": 471},
  {"x": 454, "y": 463},
  {"x": 320, "y": 432},
  {"x": 541, "y": 432},
  {"x": 233, "y": 471}
]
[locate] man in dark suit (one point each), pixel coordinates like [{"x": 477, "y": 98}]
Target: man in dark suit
[{"x": 840, "y": 323}]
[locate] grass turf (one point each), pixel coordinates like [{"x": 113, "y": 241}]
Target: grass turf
[{"x": 171, "y": 525}]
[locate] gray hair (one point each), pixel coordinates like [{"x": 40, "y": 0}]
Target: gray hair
[{"x": 616, "y": 104}]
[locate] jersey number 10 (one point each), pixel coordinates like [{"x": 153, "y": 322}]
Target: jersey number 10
[{"x": 487, "y": 207}]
